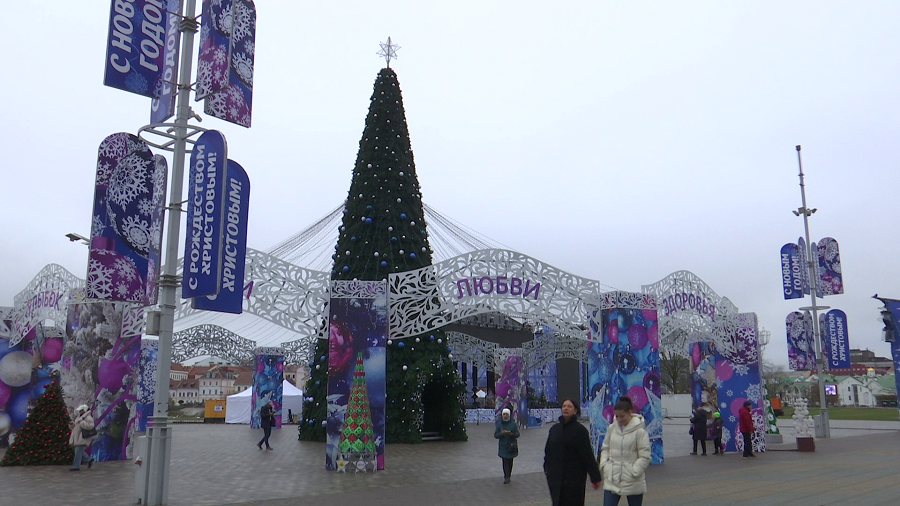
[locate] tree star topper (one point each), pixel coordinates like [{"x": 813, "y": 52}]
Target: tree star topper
[{"x": 388, "y": 50}]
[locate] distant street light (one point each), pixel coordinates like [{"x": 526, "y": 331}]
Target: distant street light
[{"x": 78, "y": 237}]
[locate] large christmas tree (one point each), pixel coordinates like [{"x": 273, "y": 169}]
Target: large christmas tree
[
  {"x": 383, "y": 231},
  {"x": 44, "y": 437}
]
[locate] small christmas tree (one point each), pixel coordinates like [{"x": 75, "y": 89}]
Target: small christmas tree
[{"x": 44, "y": 438}]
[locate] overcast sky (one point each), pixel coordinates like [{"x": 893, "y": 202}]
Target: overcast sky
[{"x": 620, "y": 141}]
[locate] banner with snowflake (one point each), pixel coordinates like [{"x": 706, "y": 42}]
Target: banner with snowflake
[
  {"x": 626, "y": 362},
  {"x": 801, "y": 347},
  {"x": 268, "y": 385},
  {"x": 163, "y": 107},
  {"x": 146, "y": 388},
  {"x": 136, "y": 46},
  {"x": 126, "y": 225},
  {"x": 215, "y": 42},
  {"x": 202, "y": 272},
  {"x": 738, "y": 381},
  {"x": 830, "y": 279},
  {"x": 357, "y": 325},
  {"x": 231, "y": 291},
  {"x": 232, "y": 101}
]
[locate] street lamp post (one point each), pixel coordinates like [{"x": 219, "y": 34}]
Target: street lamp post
[{"x": 811, "y": 260}]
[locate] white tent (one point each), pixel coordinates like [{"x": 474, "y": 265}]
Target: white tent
[{"x": 237, "y": 406}]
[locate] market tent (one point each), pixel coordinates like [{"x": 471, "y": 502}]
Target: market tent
[{"x": 238, "y": 410}]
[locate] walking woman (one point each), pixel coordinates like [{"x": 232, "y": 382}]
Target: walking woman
[
  {"x": 83, "y": 420},
  {"x": 569, "y": 458},
  {"x": 266, "y": 421},
  {"x": 507, "y": 432},
  {"x": 624, "y": 456}
]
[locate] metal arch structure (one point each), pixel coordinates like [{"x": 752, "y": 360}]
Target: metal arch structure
[
  {"x": 690, "y": 311},
  {"x": 45, "y": 297},
  {"x": 282, "y": 293},
  {"x": 490, "y": 280},
  {"x": 491, "y": 356},
  {"x": 212, "y": 340}
]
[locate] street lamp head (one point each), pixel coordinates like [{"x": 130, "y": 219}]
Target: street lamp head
[{"x": 72, "y": 236}]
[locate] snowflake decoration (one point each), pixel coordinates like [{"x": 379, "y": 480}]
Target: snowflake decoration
[
  {"x": 122, "y": 290},
  {"x": 128, "y": 180},
  {"x": 204, "y": 78},
  {"x": 97, "y": 226},
  {"x": 753, "y": 391},
  {"x": 99, "y": 280},
  {"x": 136, "y": 82},
  {"x": 103, "y": 171},
  {"x": 729, "y": 393},
  {"x": 243, "y": 22},
  {"x": 136, "y": 145},
  {"x": 138, "y": 232},
  {"x": 741, "y": 369},
  {"x": 243, "y": 65},
  {"x": 113, "y": 146},
  {"x": 219, "y": 55},
  {"x": 125, "y": 268},
  {"x": 249, "y": 46},
  {"x": 144, "y": 206}
]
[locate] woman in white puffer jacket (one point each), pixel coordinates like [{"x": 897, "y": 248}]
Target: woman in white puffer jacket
[{"x": 624, "y": 456}]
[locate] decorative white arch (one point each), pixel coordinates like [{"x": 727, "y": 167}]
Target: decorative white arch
[{"x": 45, "y": 298}]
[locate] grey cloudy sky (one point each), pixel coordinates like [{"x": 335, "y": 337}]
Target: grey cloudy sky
[{"x": 619, "y": 141}]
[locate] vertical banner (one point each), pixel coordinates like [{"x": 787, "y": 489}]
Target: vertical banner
[
  {"x": 356, "y": 376},
  {"x": 136, "y": 46},
  {"x": 830, "y": 280},
  {"x": 835, "y": 339},
  {"x": 237, "y": 200},
  {"x": 215, "y": 40},
  {"x": 792, "y": 271},
  {"x": 126, "y": 226},
  {"x": 163, "y": 107},
  {"x": 157, "y": 215},
  {"x": 202, "y": 272},
  {"x": 737, "y": 371},
  {"x": 146, "y": 391},
  {"x": 510, "y": 390},
  {"x": 800, "y": 343},
  {"x": 704, "y": 382},
  {"x": 626, "y": 362},
  {"x": 233, "y": 100},
  {"x": 268, "y": 385},
  {"x": 804, "y": 261}
]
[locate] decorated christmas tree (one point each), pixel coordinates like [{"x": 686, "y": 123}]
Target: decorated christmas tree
[
  {"x": 357, "y": 444},
  {"x": 44, "y": 437},
  {"x": 383, "y": 231}
]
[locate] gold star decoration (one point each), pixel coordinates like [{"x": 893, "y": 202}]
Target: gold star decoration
[{"x": 388, "y": 50}]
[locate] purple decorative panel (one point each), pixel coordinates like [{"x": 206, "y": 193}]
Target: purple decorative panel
[
  {"x": 626, "y": 362},
  {"x": 801, "y": 347},
  {"x": 233, "y": 101},
  {"x": 268, "y": 384},
  {"x": 739, "y": 381}
]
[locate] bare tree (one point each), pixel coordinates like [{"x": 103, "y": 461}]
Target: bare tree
[{"x": 675, "y": 372}]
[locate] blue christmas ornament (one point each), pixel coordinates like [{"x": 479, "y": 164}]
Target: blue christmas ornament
[
  {"x": 393, "y": 239},
  {"x": 401, "y": 344},
  {"x": 368, "y": 220},
  {"x": 384, "y": 263},
  {"x": 322, "y": 358},
  {"x": 346, "y": 268},
  {"x": 412, "y": 255},
  {"x": 352, "y": 239},
  {"x": 402, "y": 216}
]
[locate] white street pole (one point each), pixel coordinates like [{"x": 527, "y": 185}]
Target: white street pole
[
  {"x": 159, "y": 437},
  {"x": 812, "y": 259}
]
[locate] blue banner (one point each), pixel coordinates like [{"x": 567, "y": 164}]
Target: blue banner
[
  {"x": 792, "y": 271},
  {"x": 830, "y": 281},
  {"x": 835, "y": 339},
  {"x": 136, "y": 46},
  {"x": 230, "y": 296},
  {"x": 801, "y": 347},
  {"x": 126, "y": 224},
  {"x": 163, "y": 108},
  {"x": 233, "y": 101},
  {"x": 804, "y": 261},
  {"x": 202, "y": 274}
]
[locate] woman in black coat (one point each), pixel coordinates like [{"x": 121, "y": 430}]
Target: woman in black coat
[
  {"x": 698, "y": 423},
  {"x": 569, "y": 458}
]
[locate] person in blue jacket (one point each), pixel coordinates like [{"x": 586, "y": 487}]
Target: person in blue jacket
[{"x": 507, "y": 433}]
